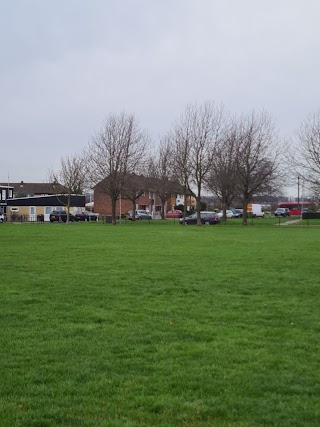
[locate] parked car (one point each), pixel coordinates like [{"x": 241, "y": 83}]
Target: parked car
[
  {"x": 229, "y": 214},
  {"x": 236, "y": 213},
  {"x": 175, "y": 213},
  {"x": 206, "y": 218},
  {"x": 61, "y": 216},
  {"x": 1, "y": 217},
  {"x": 86, "y": 216},
  {"x": 281, "y": 212},
  {"x": 139, "y": 215}
]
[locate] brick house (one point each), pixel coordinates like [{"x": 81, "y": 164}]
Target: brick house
[{"x": 147, "y": 201}]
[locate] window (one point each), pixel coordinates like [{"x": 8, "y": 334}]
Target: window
[
  {"x": 3, "y": 197},
  {"x": 48, "y": 210}
]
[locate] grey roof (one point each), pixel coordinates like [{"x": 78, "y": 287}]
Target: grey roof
[{"x": 34, "y": 187}]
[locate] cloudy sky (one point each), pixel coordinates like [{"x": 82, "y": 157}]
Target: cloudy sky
[{"x": 66, "y": 64}]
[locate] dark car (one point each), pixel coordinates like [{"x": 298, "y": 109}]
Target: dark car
[
  {"x": 281, "y": 212},
  {"x": 139, "y": 215},
  {"x": 206, "y": 218},
  {"x": 86, "y": 216},
  {"x": 61, "y": 216}
]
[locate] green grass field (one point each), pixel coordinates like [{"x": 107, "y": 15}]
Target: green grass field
[{"x": 159, "y": 325}]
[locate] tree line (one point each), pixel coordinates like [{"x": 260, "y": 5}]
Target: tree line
[{"x": 206, "y": 148}]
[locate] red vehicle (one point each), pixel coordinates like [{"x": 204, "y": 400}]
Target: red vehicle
[
  {"x": 174, "y": 214},
  {"x": 294, "y": 207}
]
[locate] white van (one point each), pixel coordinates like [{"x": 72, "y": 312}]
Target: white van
[{"x": 255, "y": 210}]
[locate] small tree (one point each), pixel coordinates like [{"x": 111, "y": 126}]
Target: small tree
[
  {"x": 161, "y": 178},
  {"x": 134, "y": 186},
  {"x": 70, "y": 179}
]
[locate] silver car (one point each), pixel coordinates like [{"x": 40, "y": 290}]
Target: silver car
[{"x": 140, "y": 214}]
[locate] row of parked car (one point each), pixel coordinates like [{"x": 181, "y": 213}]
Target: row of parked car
[{"x": 61, "y": 216}]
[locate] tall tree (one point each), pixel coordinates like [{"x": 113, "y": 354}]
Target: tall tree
[
  {"x": 258, "y": 158},
  {"x": 196, "y": 134},
  {"x": 119, "y": 149},
  {"x": 70, "y": 179},
  {"x": 308, "y": 159},
  {"x": 222, "y": 179},
  {"x": 180, "y": 137}
]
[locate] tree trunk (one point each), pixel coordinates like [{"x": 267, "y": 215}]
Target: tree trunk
[
  {"x": 198, "y": 199},
  {"x": 163, "y": 203},
  {"x": 185, "y": 203},
  {"x": 133, "y": 210},
  {"x": 245, "y": 213},
  {"x": 224, "y": 209},
  {"x": 113, "y": 210},
  {"x": 68, "y": 207}
]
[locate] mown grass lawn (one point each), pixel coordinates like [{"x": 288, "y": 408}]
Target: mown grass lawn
[{"x": 151, "y": 325}]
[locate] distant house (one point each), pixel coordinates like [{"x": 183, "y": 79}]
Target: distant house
[
  {"x": 31, "y": 189},
  {"x": 148, "y": 200},
  {"x": 178, "y": 199},
  {"x": 28, "y": 208},
  {"x": 6, "y": 192}
]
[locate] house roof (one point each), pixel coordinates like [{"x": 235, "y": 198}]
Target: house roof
[
  {"x": 49, "y": 200},
  {"x": 34, "y": 187}
]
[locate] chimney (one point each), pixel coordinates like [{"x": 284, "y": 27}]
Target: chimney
[{"x": 21, "y": 184}]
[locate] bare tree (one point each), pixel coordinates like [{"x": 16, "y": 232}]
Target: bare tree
[
  {"x": 196, "y": 134},
  {"x": 308, "y": 159},
  {"x": 181, "y": 142},
  {"x": 258, "y": 159},
  {"x": 70, "y": 179},
  {"x": 134, "y": 186},
  {"x": 161, "y": 177},
  {"x": 119, "y": 149},
  {"x": 222, "y": 179}
]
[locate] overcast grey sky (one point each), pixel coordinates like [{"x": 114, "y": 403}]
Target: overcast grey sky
[{"x": 66, "y": 64}]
